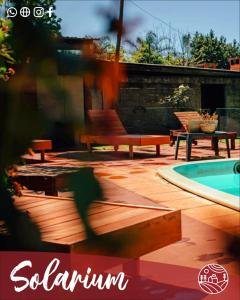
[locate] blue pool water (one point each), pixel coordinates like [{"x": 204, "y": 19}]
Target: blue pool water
[{"x": 218, "y": 175}]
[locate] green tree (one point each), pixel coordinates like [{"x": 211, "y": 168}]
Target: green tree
[
  {"x": 173, "y": 59},
  {"x": 6, "y": 53},
  {"x": 150, "y": 49},
  {"x": 106, "y": 50},
  {"x": 52, "y": 24},
  {"x": 29, "y": 33},
  {"x": 185, "y": 44},
  {"x": 210, "y": 49}
]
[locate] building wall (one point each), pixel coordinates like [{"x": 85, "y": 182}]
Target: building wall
[
  {"x": 138, "y": 103},
  {"x": 61, "y": 98},
  {"x": 139, "y": 106}
]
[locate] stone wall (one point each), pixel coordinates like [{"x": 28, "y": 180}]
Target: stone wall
[{"x": 139, "y": 106}]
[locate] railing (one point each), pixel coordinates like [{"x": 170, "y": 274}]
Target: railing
[
  {"x": 229, "y": 119},
  {"x": 155, "y": 119}
]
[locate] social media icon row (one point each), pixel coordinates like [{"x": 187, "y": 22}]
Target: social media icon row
[{"x": 38, "y": 12}]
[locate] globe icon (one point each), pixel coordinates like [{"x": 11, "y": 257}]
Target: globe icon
[{"x": 25, "y": 12}]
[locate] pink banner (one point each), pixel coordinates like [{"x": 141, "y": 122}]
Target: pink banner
[{"x": 43, "y": 276}]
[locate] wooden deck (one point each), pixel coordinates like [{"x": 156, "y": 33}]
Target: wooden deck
[
  {"x": 141, "y": 228},
  {"x": 207, "y": 227}
]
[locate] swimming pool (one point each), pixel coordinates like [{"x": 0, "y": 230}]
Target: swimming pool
[{"x": 214, "y": 180}]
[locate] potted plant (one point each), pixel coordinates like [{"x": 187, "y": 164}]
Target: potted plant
[
  {"x": 179, "y": 98},
  {"x": 209, "y": 122}
]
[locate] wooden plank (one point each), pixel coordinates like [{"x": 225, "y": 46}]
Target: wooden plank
[
  {"x": 63, "y": 218},
  {"x": 80, "y": 235},
  {"x": 60, "y": 213},
  {"x": 114, "y": 221},
  {"x": 32, "y": 204},
  {"x": 142, "y": 229},
  {"x": 106, "y": 228},
  {"x": 44, "y": 209},
  {"x": 96, "y": 220},
  {"x": 105, "y": 122},
  {"x": 184, "y": 117},
  {"x": 22, "y": 200},
  {"x": 139, "y": 239}
]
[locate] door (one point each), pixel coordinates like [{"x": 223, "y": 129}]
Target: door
[{"x": 212, "y": 96}]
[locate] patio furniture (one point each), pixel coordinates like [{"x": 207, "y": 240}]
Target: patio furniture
[
  {"x": 184, "y": 117},
  {"x": 44, "y": 177},
  {"x": 189, "y": 137},
  {"x": 143, "y": 228},
  {"x": 106, "y": 128},
  {"x": 42, "y": 146}
]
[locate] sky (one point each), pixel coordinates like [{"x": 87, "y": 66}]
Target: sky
[{"x": 84, "y": 17}]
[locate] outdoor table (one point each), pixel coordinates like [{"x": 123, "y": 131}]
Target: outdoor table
[
  {"x": 189, "y": 137},
  {"x": 44, "y": 177},
  {"x": 232, "y": 135},
  {"x": 42, "y": 146}
]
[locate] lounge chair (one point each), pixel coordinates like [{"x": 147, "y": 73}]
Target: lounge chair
[
  {"x": 184, "y": 117},
  {"x": 106, "y": 128}
]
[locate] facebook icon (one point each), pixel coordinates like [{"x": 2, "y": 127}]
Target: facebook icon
[{"x": 50, "y": 11}]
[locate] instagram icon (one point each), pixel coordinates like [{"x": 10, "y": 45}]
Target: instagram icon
[{"x": 38, "y": 12}]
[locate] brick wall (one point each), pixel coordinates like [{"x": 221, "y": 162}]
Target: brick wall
[{"x": 139, "y": 106}]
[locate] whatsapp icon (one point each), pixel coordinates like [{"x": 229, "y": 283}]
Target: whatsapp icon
[{"x": 11, "y": 12}]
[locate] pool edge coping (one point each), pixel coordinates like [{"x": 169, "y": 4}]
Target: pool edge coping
[{"x": 169, "y": 174}]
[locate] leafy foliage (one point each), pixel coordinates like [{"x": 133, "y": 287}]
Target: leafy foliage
[
  {"x": 180, "y": 97},
  {"x": 53, "y": 24},
  {"x": 24, "y": 232},
  {"x": 33, "y": 36},
  {"x": 106, "y": 50},
  {"x": 209, "y": 117},
  {"x": 172, "y": 60},
  {"x": 210, "y": 49},
  {"x": 185, "y": 43},
  {"x": 194, "y": 49},
  {"x": 6, "y": 53},
  {"x": 150, "y": 49}
]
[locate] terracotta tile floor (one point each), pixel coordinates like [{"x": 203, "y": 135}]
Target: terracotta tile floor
[{"x": 206, "y": 227}]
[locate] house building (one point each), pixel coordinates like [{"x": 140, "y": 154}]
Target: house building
[
  {"x": 138, "y": 100},
  {"x": 234, "y": 64}
]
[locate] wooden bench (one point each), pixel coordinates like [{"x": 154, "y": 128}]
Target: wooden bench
[
  {"x": 106, "y": 128},
  {"x": 142, "y": 228}
]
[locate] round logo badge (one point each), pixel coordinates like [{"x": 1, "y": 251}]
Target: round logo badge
[{"x": 213, "y": 279}]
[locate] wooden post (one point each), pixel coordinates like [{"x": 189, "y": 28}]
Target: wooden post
[
  {"x": 215, "y": 145},
  {"x": 177, "y": 147},
  {"x": 188, "y": 147},
  {"x": 120, "y": 31},
  {"x": 42, "y": 152},
  {"x": 131, "y": 151},
  {"x": 158, "y": 150},
  {"x": 227, "y": 146},
  {"x": 233, "y": 143},
  {"x": 89, "y": 148}
]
